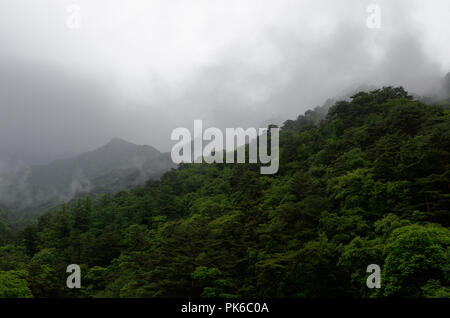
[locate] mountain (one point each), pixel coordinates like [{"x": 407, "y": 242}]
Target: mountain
[
  {"x": 13, "y": 161},
  {"x": 369, "y": 184},
  {"x": 115, "y": 166}
]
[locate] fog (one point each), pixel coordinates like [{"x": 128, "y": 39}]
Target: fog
[{"x": 138, "y": 69}]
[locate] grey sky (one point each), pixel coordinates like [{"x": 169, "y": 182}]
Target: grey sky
[{"x": 139, "y": 69}]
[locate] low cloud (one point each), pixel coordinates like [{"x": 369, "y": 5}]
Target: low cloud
[{"x": 229, "y": 63}]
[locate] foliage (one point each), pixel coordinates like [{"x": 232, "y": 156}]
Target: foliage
[{"x": 367, "y": 184}]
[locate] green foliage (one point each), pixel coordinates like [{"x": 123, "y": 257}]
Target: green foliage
[
  {"x": 416, "y": 255},
  {"x": 13, "y": 285},
  {"x": 368, "y": 184}
]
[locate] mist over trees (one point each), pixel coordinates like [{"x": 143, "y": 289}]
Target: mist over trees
[
  {"x": 111, "y": 168},
  {"x": 365, "y": 183}
]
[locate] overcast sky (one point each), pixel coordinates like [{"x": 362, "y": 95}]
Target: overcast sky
[{"x": 138, "y": 69}]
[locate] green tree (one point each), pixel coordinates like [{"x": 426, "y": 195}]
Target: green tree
[
  {"x": 416, "y": 254},
  {"x": 13, "y": 285}
]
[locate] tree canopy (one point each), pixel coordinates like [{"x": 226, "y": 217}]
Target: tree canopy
[{"x": 366, "y": 184}]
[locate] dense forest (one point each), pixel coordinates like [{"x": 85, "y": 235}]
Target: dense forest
[{"x": 368, "y": 183}]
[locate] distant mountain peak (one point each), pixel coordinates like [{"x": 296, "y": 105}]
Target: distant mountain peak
[
  {"x": 119, "y": 141},
  {"x": 119, "y": 144},
  {"x": 115, "y": 166}
]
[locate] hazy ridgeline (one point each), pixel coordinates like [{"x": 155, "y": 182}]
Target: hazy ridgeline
[
  {"x": 367, "y": 184},
  {"x": 363, "y": 178}
]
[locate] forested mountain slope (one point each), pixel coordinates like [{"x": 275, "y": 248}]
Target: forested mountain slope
[
  {"x": 369, "y": 184},
  {"x": 113, "y": 167}
]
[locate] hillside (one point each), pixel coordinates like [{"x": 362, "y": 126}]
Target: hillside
[
  {"x": 369, "y": 184},
  {"x": 115, "y": 166}
]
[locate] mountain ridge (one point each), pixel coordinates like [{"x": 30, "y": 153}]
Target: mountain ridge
[{"x": 112, "y": 167}]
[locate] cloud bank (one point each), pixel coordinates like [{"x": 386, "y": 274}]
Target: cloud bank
[{"x": 139, "y": 69}]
